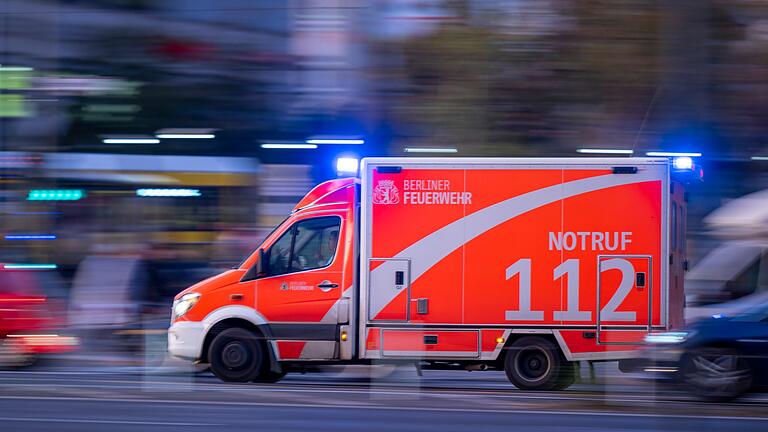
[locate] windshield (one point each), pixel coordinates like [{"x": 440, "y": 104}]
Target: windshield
[
  {"x": 757, "y": 311},
  {"x": 248, "y": 255}
]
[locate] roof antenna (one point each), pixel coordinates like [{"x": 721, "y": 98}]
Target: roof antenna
[{"x": 645, "y": 118}]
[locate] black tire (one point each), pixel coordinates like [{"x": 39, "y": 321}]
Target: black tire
[
  {"x": 269, "y": 377},
  {"x": 237, "y": 355},
  {"x": 567, "y": 375},
  {"x": 717, "y": 374},
  {"x": 534, "y": 363}
]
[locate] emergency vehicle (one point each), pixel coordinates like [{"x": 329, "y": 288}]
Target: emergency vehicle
[{"x": 522, "y": 264}]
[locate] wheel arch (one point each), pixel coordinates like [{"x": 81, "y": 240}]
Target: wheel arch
[{"x": 547, "y": 335}]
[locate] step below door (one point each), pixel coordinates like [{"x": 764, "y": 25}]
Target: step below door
[{"x": 430, "y": 343}]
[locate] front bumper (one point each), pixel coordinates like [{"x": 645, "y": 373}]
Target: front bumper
[
  {"x": 185, "y": 339},
  {"x": 659, "y": 361}
]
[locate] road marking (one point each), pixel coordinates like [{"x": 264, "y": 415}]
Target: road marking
[
  {"x": 389, "y": 408},
  {"x": 129, "y": 422},
  {"x": 268, "y": 389},
  {"x": 392, "y": 391}
]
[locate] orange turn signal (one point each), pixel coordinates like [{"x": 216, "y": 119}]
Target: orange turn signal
[
  {"x": 343, "y": 336},
  {"x": 499, "y": 340}
]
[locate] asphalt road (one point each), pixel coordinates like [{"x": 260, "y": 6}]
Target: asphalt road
[{"x": 124, "y": 399}]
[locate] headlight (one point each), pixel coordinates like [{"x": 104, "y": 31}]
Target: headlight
[
  {"x": 668, "y": 337},
  {"x": 184, "y": 304}
]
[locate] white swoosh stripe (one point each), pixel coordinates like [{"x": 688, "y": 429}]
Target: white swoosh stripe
[{"x": 431, "y": 249}]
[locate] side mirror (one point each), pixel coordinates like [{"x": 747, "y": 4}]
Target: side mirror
[
  {"x": 258, "y": 270},
  {"x": 260, "y": 264}
]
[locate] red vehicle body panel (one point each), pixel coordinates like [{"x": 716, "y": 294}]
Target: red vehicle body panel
[{"x": 544, "y": 246}]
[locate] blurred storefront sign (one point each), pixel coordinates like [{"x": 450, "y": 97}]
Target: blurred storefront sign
[
  {"x": 402, "y": 19},
  {"x": 151, "y": 169}
]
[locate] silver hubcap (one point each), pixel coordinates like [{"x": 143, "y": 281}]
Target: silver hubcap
[
  {"x": 235, "y": 355},
  {"x": 532, "y": 364}
]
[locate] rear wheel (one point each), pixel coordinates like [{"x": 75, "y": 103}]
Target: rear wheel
[
  {"x": 237, "y": 355},
  {"x": 716, "y": 373},
  {"x": 534, "y": 363}
]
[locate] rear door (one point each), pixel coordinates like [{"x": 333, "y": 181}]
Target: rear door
[
  {"x": 624, "y": 298},
  {"x": 392, "y": 279}
]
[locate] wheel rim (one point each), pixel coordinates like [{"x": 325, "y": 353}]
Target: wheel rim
[
  {"x": 717, "y": 374},
  {"x": 532, "y": 364},
  {"x": 235, "y": 355}
]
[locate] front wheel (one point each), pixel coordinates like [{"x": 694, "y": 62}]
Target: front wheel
[
  {"x": 716, "y": 373},
  {"x": 534, "y": 363},
  {"x": 269, "y": 377},
  {"x": 237, "y": 355}
]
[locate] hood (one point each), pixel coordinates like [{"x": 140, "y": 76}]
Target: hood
[
  {"x": 726, "y": 310},
  {"x": 743, "y": 218},
  {"x": 214, "y": 282}
]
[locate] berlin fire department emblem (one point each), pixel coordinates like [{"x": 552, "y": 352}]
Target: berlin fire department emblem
[{"x": 386, "y": 192}]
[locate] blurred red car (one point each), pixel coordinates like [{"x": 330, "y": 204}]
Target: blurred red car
[{"x": 28, "y": 320}]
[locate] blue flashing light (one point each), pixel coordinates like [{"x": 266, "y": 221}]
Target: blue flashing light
[
  {"x": 682, "y": 163},
  {"x": 347, "y": 165},
  {"x": 30, "y": 237}
]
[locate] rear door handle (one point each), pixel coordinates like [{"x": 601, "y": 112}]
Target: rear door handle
[
  {"x": 640, "y": 280},
  {"x": 399, "y": 278}
]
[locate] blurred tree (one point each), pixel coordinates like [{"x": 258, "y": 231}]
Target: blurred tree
[
  {"x": 495, "y": 84},
  {"x": 450, "y": 73},
  {"x": 610, "y": 68}
]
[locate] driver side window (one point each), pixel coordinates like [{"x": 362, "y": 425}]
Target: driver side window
[
  {"x": 280, "y": 254},
  {"x": 306, "y": 245}
]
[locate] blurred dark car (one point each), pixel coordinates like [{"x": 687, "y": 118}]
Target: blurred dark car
[
  {"x": 29, "y": 319},
  {"x": 718, "y": 358}
]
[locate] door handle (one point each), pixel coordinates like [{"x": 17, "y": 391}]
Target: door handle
[
  {"x": 640, "y": 280},
  {"x": 399, "y": 278},
  {"x": 328, "y": 285}
]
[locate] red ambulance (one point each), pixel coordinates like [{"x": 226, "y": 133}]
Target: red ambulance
[{"x": 527, "y": 265}]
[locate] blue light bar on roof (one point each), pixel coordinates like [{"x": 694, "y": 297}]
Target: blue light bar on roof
[
  {"x": 682, "y": 163},
  {"x": 347, "y": 165}
]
